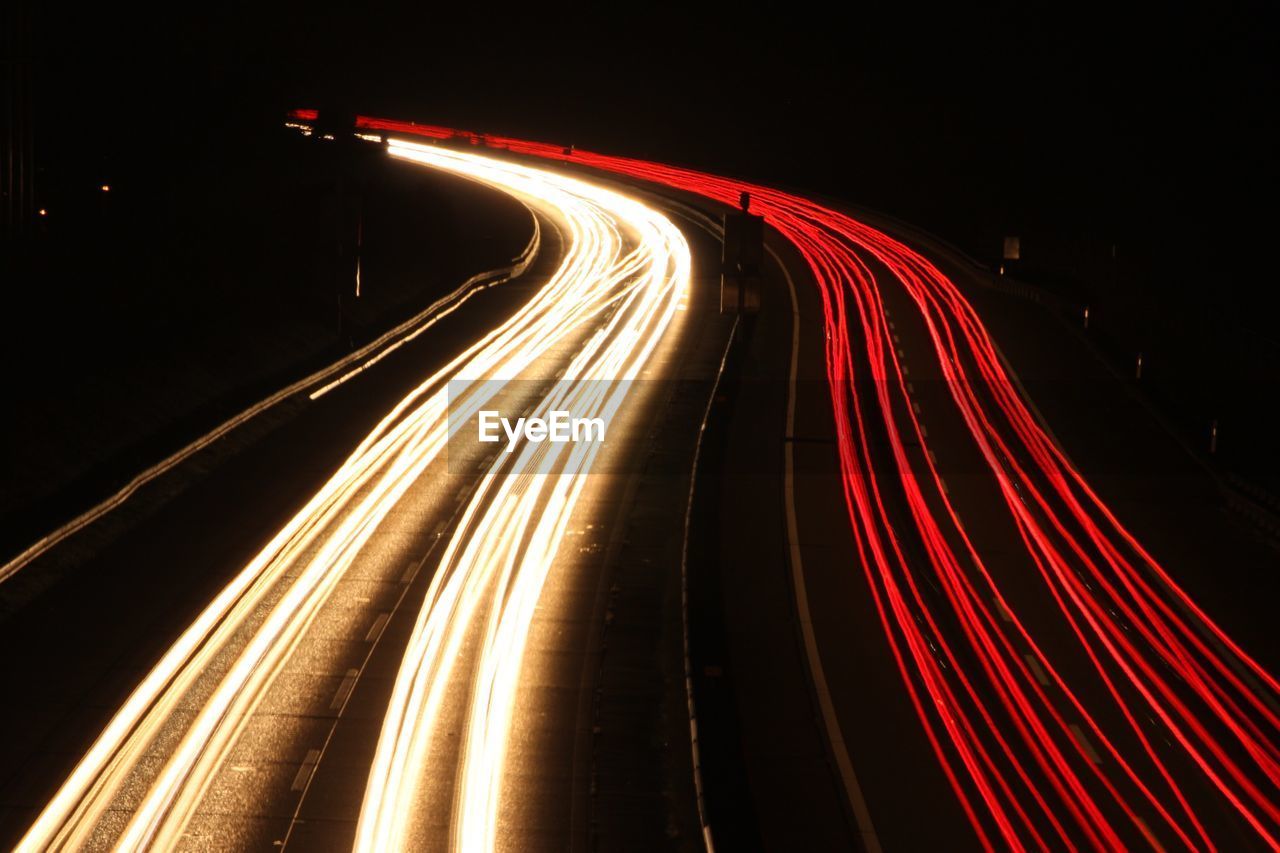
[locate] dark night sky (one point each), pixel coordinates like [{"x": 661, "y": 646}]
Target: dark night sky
[{"x": 1152, "y": 129}]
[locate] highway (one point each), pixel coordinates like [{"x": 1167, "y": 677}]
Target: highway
[
  {"x": 204, "y": 731},
  {"x": 938, "y": 623},
  {"x": 1072, "y": 693}
]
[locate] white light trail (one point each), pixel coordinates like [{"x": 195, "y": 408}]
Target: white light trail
[
  {"x": 625, "y": 270},
  {"x": 505, "y": 544}
]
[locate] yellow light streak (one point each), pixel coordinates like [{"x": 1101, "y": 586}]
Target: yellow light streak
[
  {"x": 504, "y": 549},
  {"x": 625, "y": 270}
]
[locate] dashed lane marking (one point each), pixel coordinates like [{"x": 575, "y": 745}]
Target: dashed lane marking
[
  {"x": 1036, "y": 670},
  {"x": 344, "y": 689},
  {"x": 375, "y": 630},
  {"x": 1084, "y": 743},
  {"x": 304, "y": 772},
  {"x": 1002, "y": 610}
]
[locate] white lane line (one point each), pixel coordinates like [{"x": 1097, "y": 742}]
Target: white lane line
[
  {"x": 411, "y": 571},
  {"x": 924, "y": 433},
  {"x": 375, "y": 630},
  {"x": 297, "y": 811},
  {"x": 853, "y": 790},
  {"x": 911, "y": 389},
  {"x": 304, "y": 772},
  {"x": 344, "y": 690},
  {"x": 915, "y": 407}
]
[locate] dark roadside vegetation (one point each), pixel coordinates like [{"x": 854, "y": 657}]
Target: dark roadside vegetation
[{"x": 217, "y": 268}]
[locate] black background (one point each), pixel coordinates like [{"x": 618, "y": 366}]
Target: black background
[
  {"x": 1147, "y": 131},
  {"x": 1116, "y": 123}
]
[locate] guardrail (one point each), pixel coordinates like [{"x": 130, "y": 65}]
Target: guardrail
[{"x": 322, "y": 381}]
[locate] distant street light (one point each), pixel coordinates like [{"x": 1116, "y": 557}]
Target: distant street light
[{"x": 106, "y": 188}]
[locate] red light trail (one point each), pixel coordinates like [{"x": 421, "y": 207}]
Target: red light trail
[{"x": 1185, "y": 698}]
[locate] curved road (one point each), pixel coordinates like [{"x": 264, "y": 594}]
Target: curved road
[
  {"x": 938, "y": 629},
  {"x": 1071, "y": 691},
  {"x": 199, "y": 753}
]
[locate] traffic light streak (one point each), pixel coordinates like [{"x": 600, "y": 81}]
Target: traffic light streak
[
  {"x": 1001, "y": 727},
  {"x": 599, "y": 318}
]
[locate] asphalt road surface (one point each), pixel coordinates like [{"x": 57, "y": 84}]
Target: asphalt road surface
[
  {"x": 1070, "y": 684},
  {"x": 956, "y": 587},
  {"x": 291, "y": 765},
  {"x": 1167, "y": 497}
]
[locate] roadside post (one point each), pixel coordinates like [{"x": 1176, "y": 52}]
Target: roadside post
[{"x": 741, "y": 260}]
